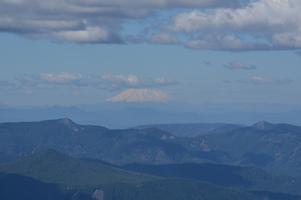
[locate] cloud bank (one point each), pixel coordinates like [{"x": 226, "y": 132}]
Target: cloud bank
[
  {"x": 104, "y": 82},
  {"x": 85, "y": 21},
  {"x": 204, "y": 24},
  {"x": 260, "y": 25},
  {"x": 130, "y": 88},
  {"x": 140, "y": 96},
  {"x": 262, "y": 80}
]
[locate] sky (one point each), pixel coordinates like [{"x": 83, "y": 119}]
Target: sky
[{"x": 196, "y": 52}]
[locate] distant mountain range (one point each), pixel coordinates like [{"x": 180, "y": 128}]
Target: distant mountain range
[
  {"x": 193, "y": 129},
  {"x": 115, "y": 146},
  {"x": 130, "y": 115},
  {"x": 274, "y": 147}
]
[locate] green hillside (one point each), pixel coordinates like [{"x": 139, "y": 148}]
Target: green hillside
[
  {"x": 16, "y": 187},
  {"x": 275, "y": 147},
  {"x": 53, "y": 167},
  {"x": 179, "y": 189},
  {"x": 80, "y": 179},
  {"x": 247, "y": 178}
]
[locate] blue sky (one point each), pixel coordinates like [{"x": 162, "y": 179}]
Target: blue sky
[{"x": 175, "y": 51}]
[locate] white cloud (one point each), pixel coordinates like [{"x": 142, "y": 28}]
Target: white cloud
[
  {"x": 261, "y": 24},
  {"x": 89, "y": 35},
  {"x": 118, "y": 82},
  {"x": 140, "y": 95},
  {"x": 60, "y": 78},
  {"x": 164, "y": 81},
  {"x": 261, "y": 80},
  {"x": 77, "y": 81},
  {"x": 239, "y": 66}
]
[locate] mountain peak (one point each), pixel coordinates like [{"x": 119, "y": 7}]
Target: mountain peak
[
  {"x": 263, "y": 125},
  {"x": 69, "y": 124},
  {"x": 66, "y": 121}
]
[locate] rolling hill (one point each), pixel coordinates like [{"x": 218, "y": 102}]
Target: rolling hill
[
  {"x": 86, "y": 177},
  {"x": 246, "y": 178},
  {"x": 16, "y": 187},
  {"x": 53, "y": 167}
]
